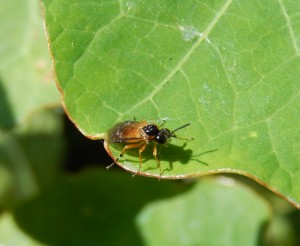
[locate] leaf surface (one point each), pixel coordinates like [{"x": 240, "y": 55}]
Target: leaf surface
[
  {"x": 95, "y": 207},
  {"x": 215, "y": 212},
  {"x": 230, "y": 68},
  {"x": 30, "y": 157},
  {"x": 26, "y": 81},
  {"x": 11, "y": 234}
]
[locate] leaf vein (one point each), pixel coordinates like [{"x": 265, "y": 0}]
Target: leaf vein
[
  {"x": 289, "y": 26},
  {"x": 184, "y": 58}
]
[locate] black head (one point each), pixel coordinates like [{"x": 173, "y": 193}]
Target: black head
[
  {"x": 151, "y": 130},
  {"x": 164, "y": 134}
]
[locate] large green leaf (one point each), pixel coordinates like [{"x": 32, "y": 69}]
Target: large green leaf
[
  {"x": 30, "y": 135},
  {"x": 101, "y": 208},
  {"x": 26, "y": 82},
  {"x": 11, "y": 234},
  {"x": 215, "y": 212},
  {"x": 30, "y": 156},
  {"x": 95, "y": 207},
  {"x": 231, "y": 68}
]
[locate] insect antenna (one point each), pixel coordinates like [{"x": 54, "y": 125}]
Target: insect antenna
[
  {"x": 180, "y": 128},
  {"x": 163, "y": 122},
  {"x": 174, "y": 136}
]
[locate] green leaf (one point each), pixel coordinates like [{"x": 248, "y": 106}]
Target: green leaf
[
  {"x": 95, "y": 207},
  {"x": 215, "y": 212},
  {"x": 280, "y": 232},
  {"x": 26, "y": 82},
  {"x": 231, "y": 68},
  {"x": 30, "y": 156},
  {"x": 10, "y": 233}
]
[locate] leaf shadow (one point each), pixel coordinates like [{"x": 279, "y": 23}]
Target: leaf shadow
[
  {"x": 92, "y": 208},
  {"x": 7, "y": 119},
  {"x": 170, "y": 153},
  {"x": 175, "y": 153}
]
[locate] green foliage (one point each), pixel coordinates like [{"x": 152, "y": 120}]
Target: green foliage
[
  {"x": 205, "y": 216},
  {"x": 101, "y": 208},
  {"x": 30, "y": 132},
  {"x": 30, "y": 156},
  {"x": 26, "y": 83},
  {"x": 97, "y": 208},
  {"x": 230, "y": 68}
]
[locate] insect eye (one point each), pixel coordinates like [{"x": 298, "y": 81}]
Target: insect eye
[
  {"x": 163, "y": 135},
  {"x": 151, "y": 130}
]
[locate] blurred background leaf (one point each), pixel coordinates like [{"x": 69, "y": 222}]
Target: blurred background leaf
[
  {"x": 206, "y": 216},
  {"x": 30, "y": 156},
  {"x": 31, "y": 141},
  {"x": 11, "y": 234},
  {"x": 94, "y": 207},
  {"x": 26, "y": 81}
]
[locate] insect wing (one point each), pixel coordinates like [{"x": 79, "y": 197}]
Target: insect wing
[{"x": 125, "y": 132}]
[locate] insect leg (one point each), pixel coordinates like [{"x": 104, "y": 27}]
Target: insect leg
[
  {"x": 128, "y": 146},
  {"x": 141, "y": 149},
  {"x": 157, "y": 160}
]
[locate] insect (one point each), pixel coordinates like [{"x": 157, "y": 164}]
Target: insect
[{"x": 138, "y": 134}]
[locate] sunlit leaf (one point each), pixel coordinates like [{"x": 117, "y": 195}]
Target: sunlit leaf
[{"x": 230, "y": 68}]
